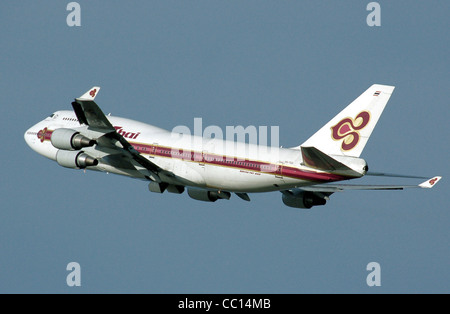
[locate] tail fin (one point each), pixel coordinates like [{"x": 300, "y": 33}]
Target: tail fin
[{"x": 348, "y": 132}]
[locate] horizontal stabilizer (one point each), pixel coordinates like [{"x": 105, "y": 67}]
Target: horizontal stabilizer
[
  {"x": 393, "y": 175},
  {"x": 314, "y": 158}
]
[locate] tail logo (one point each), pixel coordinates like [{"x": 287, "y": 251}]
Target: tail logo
[
  {"x": 93, "y": 92},
  {"x": 348, "y": 130}
]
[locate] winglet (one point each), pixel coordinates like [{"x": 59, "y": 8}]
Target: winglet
[
  {"x": 430, "y": 183},
  {"x": 90, "y": 94}
]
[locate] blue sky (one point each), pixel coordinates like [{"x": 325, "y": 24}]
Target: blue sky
[{"x": 292, "y": 64}]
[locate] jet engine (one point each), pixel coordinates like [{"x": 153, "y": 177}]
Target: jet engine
[
  {"x": 69, "y": 139},
  {"x": 303, "y": 199},
  {"x": 75, "y": 159},
  {"x": 208, "y": 196}
]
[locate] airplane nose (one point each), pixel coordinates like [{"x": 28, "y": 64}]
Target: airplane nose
[
  {"x": 30, "y": 136},
  {"x": 38, "y": 139}
]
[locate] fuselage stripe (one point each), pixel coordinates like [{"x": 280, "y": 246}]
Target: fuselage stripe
[
  {"x": 223, "y": 161},
  {"x": 235, "y": 162}
]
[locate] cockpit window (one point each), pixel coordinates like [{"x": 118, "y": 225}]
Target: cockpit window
[{"x": 53, "y": 116}]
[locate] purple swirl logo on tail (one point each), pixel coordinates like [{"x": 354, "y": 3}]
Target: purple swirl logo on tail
[{"x": 348, "y": 130}]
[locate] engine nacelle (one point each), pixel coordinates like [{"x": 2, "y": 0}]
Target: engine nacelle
[
  {"x": 208, "y": 196},
  {"x": 75, "y": 159},
  {"x": 69, "y": 139},
  {"x": 304, "y": 200}
]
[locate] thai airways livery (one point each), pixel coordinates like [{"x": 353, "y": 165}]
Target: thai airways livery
[{"x": 210, "y": 168}]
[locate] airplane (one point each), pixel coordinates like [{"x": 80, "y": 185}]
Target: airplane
[{"x": 212, "y": 169}]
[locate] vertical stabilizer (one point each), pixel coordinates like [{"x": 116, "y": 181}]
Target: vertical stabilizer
[{"x": 348, "y": 132}]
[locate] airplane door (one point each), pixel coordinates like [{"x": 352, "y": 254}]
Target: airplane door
[
  {"x": 208, "y": 157},
  {"x": 203, "y": 160},
  {"x": 153, "y": 150},
  {"x": 279, "y": 173},
  {"x": 207, "y": 154}
]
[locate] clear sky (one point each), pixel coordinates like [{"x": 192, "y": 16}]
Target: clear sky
[{"x": 292, "y": 64}]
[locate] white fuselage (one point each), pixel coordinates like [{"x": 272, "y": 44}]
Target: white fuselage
[{"x": 195, "y": 161}]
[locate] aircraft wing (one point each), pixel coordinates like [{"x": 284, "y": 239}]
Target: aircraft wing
[
  {"x": 331, "y": 188},
  {"x": 90, "y": 114}
]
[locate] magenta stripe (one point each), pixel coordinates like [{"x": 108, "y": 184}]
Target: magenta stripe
[
  {"x": 223, "y": 161},
  {"x": 226, "y": 161}
]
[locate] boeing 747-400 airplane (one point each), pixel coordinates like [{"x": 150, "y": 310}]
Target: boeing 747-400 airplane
[{"x": 213, "y": 169}]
